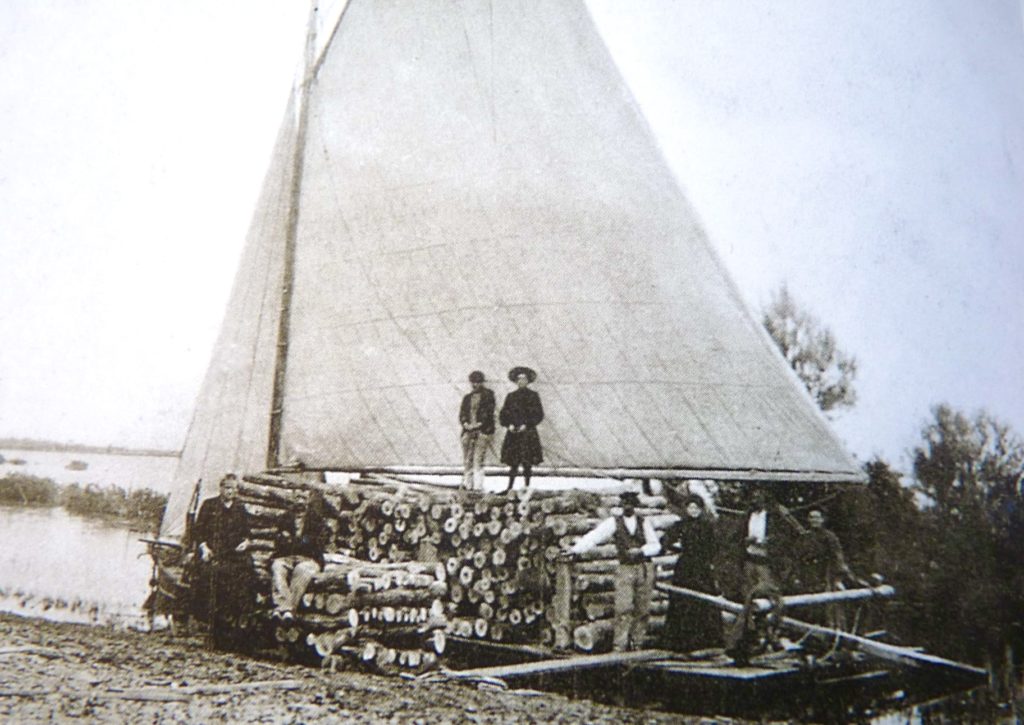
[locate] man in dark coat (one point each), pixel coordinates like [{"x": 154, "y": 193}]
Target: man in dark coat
[
  {"x": 520, "y": 414},
  {"x": 823, "y": 566},
  {"x": 224, "y": 566},
  {"x": 299, "y": 553},
  {"x": 476, "y": 415}
]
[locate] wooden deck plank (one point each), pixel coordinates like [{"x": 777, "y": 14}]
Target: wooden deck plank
[
  {"x": 562, "y": 664},
  {"x": 723, "y": 672}
]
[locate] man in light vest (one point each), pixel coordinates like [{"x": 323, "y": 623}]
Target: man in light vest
[{"x": 635, "y": 543}]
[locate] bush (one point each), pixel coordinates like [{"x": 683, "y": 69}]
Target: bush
[
  {"x": 17, "y": 488},
  {"x": 143, "y": 507}
]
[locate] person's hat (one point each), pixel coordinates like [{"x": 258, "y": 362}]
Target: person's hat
[
  {"x": 476, "y": 377},
  {"x": 518, "y": 370},
  {"x": 631, "y": 498}
]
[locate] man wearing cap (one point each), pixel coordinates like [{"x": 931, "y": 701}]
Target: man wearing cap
[
  {"x": 635, "y": 543},
  {"x": 476, "y": 415},
  {"x": 520, "y": 414}
]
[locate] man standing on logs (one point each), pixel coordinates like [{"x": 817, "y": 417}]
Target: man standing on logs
[
  {"x": 299, "y": 554},
  {"x": 477, "y": 418},
  {"x": 521, "y": 413},
  {"x": 221, "y": 587},
  {"x": 635, "y": 543}
]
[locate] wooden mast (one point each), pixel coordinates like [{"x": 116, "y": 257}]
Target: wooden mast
[{"x": 291, "y": 232}]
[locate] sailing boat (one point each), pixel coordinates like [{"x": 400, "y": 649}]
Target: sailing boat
[{"x": 471, "y": 186}]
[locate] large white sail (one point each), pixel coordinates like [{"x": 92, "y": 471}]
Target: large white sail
[{"x": 479, "y": 190}]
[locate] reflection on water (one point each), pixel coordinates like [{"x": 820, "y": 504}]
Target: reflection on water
[{"x": 66, "y": 568}]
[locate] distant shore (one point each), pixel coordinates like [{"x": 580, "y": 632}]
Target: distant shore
[{"x": 32, "y": 444}]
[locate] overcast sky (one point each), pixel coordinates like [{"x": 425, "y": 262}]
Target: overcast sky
[{"x": 870, "y": 154}]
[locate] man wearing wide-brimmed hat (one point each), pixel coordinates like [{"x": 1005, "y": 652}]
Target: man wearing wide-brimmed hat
[
  {"x": 476, "y": 415},
  {"x": 635, "y": 543},
  {"x": 520, "y": 414}
]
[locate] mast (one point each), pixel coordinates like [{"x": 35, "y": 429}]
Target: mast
[{"x": 288, "y": 272}]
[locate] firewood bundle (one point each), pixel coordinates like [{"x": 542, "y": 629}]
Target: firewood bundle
[
  {"x": 385, "y": 615},
  {"x": 496, "y": 553}
]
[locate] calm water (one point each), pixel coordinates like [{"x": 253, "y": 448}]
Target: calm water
[
  {"x": 130, "y": 472},
  {"x": 67, "y": 568},
  {"x": 73, "y": 569}
]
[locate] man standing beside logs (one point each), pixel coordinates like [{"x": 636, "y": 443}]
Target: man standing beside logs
[
  {"x": 635, "y": 543},
  {"x": 221, "y": 586},
  {"x": 477, "y": 418}
]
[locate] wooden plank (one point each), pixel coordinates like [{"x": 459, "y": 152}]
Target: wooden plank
[
  {"x": 792, "y": 600},
  {"x": 148, "y": 695},
  {"x": 718, "y": 474},
  {"x": 725, "y": 672},
  {"x": 32, "y": 650},
  {"x": 168, "y": 543},
  {"x": 845, "y": 595},
  {"x": 519, "y": 649},
  {"x": 563, "y": 664},
  {"x": 212, "y": 689},
  {"x": 892, "y": 653},
  {"x": 183, "y": 694},
  {"x": 561, "y": 603}
]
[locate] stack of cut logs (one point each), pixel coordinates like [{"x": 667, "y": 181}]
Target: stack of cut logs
[
  {"x": 390, "y": 615},
  {"x": 496, "y": 553}
]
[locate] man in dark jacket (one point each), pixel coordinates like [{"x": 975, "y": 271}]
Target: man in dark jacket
[
  {"x": 476, "y": 415},
  {"x": 299, "y": 554},
  {"x": 223, "y": 564},
  {"x": 521, "y": 413},
  {"x": 823, "y": 566}
]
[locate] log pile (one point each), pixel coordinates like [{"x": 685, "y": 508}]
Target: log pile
[
  {"x": 482, "y": 564},
  {"x": 386, "y": 615}
]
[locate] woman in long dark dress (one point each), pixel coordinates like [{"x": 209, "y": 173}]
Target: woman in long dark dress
[
  {"x": 521, "y": 413},
  {"x": 692, "y": 625}
]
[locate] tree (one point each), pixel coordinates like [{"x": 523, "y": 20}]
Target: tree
[
  {"x": 969, "y": 462},
  {"x": 971, "y": 469},
  {"x": 811, "y": 350}
]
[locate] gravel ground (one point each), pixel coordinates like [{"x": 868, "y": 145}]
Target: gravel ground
[{"x": 63, "y": 672}]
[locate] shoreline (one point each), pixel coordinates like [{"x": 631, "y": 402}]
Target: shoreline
[
  {"x": 137, "y": 526},
  {"x": 58, "y": 672},
  {"x": 15, "y": 444}
]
